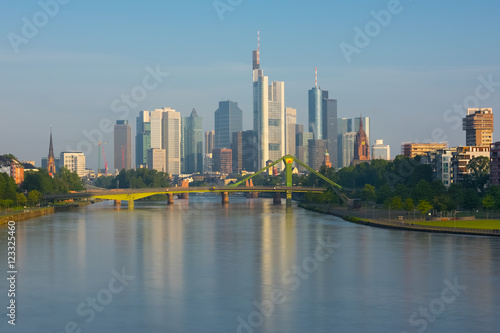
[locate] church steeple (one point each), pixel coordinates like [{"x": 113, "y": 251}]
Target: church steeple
[
  {"x": 51, "y": 146},
  {"x": 51, "y": 162}
]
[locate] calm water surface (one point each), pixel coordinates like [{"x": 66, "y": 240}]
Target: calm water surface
[{"x": 250, "y": 266}]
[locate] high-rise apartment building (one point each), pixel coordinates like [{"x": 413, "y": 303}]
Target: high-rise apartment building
[
  {"x": 122, "y": 145},
  {"x": 411, "y": 149},
  {"x": 461, "y": 157},
  {"x": 192, "y": 143},
  {"x": 290, "y": 122},
  {"x": 478, "y": 127},
  {"x": 74, "y": 162},
  {"x": 495, "y": 163},
  {"x": 171, "y": 137},
  {"x": 228, "y": 119}
]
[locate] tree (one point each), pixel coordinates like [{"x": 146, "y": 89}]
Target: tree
[
  {"x": 422, "y": 191},
  {"x": 396, "y": 203},
  {"x": 424, "y": 206},
  {"x": 479, "y": 168},
  {"x": 21, "y": 199},
  {"x": 488, "y": 202},
  {"x": 409, "y": 206},
  {"x": 368, "y": 193},
  {"x": 34, "y": 197}
]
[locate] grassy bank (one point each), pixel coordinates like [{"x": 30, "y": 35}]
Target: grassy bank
[
  {"x": 474, "y": 227},
  {"x": 473, "y": 224}
]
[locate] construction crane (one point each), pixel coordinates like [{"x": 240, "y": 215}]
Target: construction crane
[{"x": 105, "y": 162}]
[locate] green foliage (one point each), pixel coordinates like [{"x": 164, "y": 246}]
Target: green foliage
[
  {"x": 488, "y": 202},
  {"x": 424, "y": 206},
  {"x": 408, "y": 205},
  {"x": 63, "y": 182},
  {"x": 21, "y": 199},
  {"x": 368, "y": 193},
  {"x": 7, "y": 187},
  {"x": 396, "y": 203},
  {"x": 34, "y": 197},
  {"x": 140, "y": 178},
  {"x": 479, "y": 168}
]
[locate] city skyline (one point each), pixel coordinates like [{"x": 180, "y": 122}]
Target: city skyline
[{"x": 394, "y": 76}]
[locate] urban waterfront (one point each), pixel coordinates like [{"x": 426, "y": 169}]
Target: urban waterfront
[{"x": 249, "y": 266}]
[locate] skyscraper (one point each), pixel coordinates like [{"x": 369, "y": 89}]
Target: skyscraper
[
  {"x": 222, "y": 160},
  {"x": 478, "y": 127},
  {"x": 330, "y": 134},
  {"x": 347, "y": 142},
  {"x": 290, "y": 122},
  {"x": 122, "y": 145},
  {"x": 260, "y": 110},
  {"x": 142, "y": 138},
  {"x": 344, "y": 125},
  {"x": 228, "y": 119},
  {"x": 209, "y": 141},
  {"x": 192, "y": 138},
  {"x": 171, "y": 136},
  {"x": 317, "y": 150},
  {"x": 276, "y": 128},
  {"x": 249, "y": 150},
  {"x": 316, "y": 114}
]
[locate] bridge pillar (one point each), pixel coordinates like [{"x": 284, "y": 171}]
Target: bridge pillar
[
  {"x": 170, "y": 198},
  {"x": 118, "y": 203},
  {"x": 184, "y": 196},
  {"x": 225, "y": 198},
  {"x": 288, "y": 198},
  {"x": 131, "y": 204},
  {"x": 277, "y": 198}
]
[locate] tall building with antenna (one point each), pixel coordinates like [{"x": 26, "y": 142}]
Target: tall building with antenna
[
  {"x": 268, "y": 114},
  {"x": 316, "y": 97},
  {"x": 260, "y": 109}
]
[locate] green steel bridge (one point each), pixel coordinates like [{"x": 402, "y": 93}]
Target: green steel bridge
[{"x": 130, "y": 195}]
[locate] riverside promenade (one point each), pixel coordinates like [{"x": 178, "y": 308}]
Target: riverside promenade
[{"x": 372, "y": 217}]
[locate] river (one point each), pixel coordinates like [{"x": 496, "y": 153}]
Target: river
[{"x": 249, "y": 266}]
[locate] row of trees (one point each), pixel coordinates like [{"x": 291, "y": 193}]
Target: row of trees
[
  {"x": 406, "y": 184},
  {"x": 140, "y": 178}
]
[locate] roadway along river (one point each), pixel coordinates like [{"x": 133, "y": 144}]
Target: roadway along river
[{"x": 250, "y": 266}]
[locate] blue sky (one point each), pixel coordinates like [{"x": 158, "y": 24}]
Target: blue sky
[{"x": 407, "y": 79}]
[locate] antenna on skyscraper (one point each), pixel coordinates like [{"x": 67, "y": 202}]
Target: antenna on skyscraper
[{"x": 316, "y": 76}]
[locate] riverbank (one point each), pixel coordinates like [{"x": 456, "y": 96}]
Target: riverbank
[
  {"x": 37, "y": 212},
  {"x": 347, "y": 215}
]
